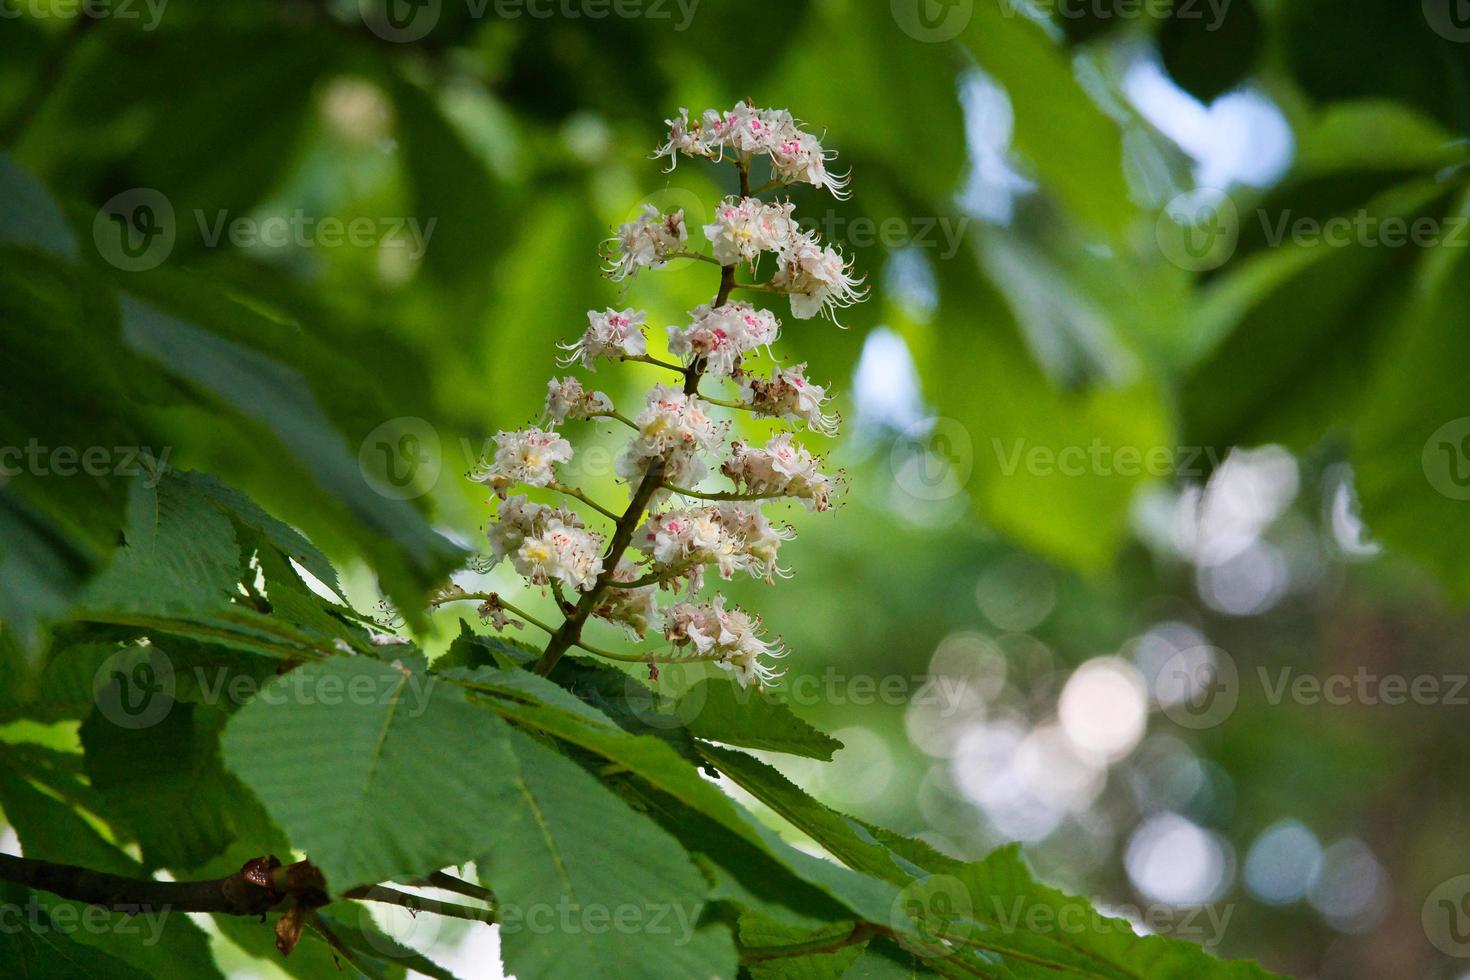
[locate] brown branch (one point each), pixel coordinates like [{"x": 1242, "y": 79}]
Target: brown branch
[{"x": 253, "y": 890}]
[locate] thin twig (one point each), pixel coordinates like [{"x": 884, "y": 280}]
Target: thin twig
[
  {"x": 576, "y": 494},
  {"x": 646, "y": 359},
  {"x": 726, "y": 496}
]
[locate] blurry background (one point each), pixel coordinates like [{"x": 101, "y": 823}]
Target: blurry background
[{"x": 1157, "y": 480}]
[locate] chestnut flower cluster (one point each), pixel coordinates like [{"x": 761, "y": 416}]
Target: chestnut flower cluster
[{"x": 674, "y": 529}]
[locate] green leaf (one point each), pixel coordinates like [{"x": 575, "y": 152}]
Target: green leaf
[
  {"x": 722, "y": 711},
  {"x": 46, "y": 953},
  {"x": 448, "y": 184},
  {"x": 847, "y": 839},
  {"x": 409, "y": 555},
  {"x": 42, "y": 568},
  {"x": 1301, "y": 321},
  {"x": 353, "y": 925},
  {"x": 181, "y": 556},
  {"x": 1403, "y": 140},
  {"x": 182, "y": 808},
  {"x": 312, "y": 959},
  {"x": 161, "y": 942},
  {"x": 1411, "y": 449},
  {"x": 757, "y": 935},
  {"x": 1076, "y": 150},
  {"x": 1012, "y": 912},
  {"x": 654, "y": 761},
  {"x": 570, "y": 860},
  {"x": 245, "y": 511},
  {"x": 29, "y": 216},
  {"x": 346, "y": 754},
  {"x": 1018, "y": 434}
]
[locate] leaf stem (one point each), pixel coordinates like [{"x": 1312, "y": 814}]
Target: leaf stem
[
  {"x": 860, "y": 932},
  {"x": 576, "y": 494},
  {"x": 646, "y": 359},
  {"x": 616, "y": 416}
]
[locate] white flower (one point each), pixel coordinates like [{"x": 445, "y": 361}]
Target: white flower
[
  {"x": 782, "y": 468},
  {"x": 524, "y": 457},
  {"x": 743, "y": 229},
  {"x": 819, "y": 279},
  {"x": 749, "y": 131},
  {"x": 732, "y": 536},
  {"x": 567, "y": 399},
  {"x": 722, "y": 336},
  {"x": 560, "y": 551},
  {"x": 612, "y": 334},
  {"x": 729, "y": 636},
  {"x": 789, "y": 395},
  {"x": 636, "y": 610},
  {"x": 676, "y": 427},
  {"x": 647, "y": 241},
  {"x": 519, "y": 519},
  {"x": 798, "y": 157}
]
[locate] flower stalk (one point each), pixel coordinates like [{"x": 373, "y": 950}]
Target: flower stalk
[{"x": 662, "y": 542}]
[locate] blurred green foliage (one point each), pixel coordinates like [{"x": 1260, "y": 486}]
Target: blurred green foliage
[{"x": 1071, "y": 318}]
